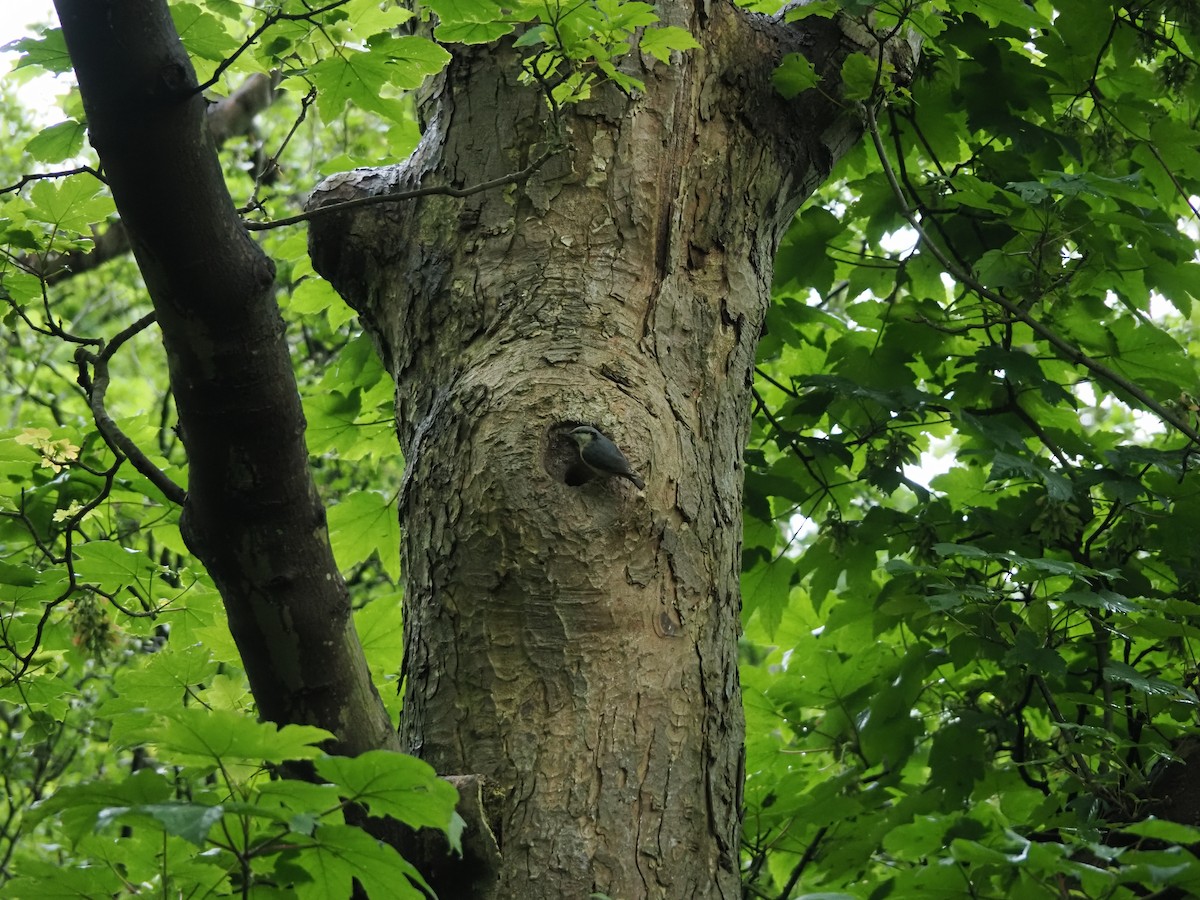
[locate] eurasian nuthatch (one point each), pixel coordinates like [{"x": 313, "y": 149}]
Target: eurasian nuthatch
[{"x": 602, "y": 456}]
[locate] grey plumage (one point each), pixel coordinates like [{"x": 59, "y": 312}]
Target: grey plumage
[{"x": 602, "y": 456}]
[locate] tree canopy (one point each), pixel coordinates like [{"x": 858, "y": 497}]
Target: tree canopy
[{"x": 979, "y": 682}]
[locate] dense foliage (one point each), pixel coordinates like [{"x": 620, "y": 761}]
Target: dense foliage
[
  {"x": 975, "y": 683},
  {"x": 972, "y": 684}
]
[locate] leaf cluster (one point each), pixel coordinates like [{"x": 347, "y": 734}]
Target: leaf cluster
[{"x": 200, "y": 813}]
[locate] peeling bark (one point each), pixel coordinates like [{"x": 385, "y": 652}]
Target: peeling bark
[{"x": 577, "y": 644}]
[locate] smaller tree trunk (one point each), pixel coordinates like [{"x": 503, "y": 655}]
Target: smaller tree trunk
[{"x": 252, "y": 514}]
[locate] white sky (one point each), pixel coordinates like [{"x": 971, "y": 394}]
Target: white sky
[{"x": 15, "y": 16}]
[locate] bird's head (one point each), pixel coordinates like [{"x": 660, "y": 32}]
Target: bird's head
[{"x": 584, "y": 435}]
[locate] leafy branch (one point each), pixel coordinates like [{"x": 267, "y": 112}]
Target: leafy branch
[
  {"x": 1068, "y": 350},
  {"x": 271, "y": 19}
]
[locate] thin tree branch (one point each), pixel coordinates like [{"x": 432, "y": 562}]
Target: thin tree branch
[
  {"x": 437, "y": 189},
  {"x": 38, "y": 176},
  {"x": 809, "y": 853},
  {"x": 119, "y": 442}
]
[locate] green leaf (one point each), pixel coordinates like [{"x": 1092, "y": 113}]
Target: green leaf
[
  {"x": 860, "y": 75},
  {"x": 393, "y": 784},
  {"x": 356, "y": 79},
  {"x": 967, "y": 551},
  {"x": 827, "y": 9},
  {"x": 626, "y": 15},
  {"x": 314, "y": 295},
  {"x": 48, "y": 51},
  {"x": 766, "y": 590},
  {"x": 331, "y": 420},
  {"x": 190, "y": 821},
  {"x": 1172, "y": 144},
  {"x": 659, "y": 42},
  {"x": 160, "y": 681},
  {"x": 794, "y": 75},
  {"x": 410, "y": 59},
  {"x": 192, "y": 736},
  {"x": 473, "y": 32},
  {"x": 456, "y": 11},
  {"x": 998, "y": 12},
  {"x": 1126, "y": 674},
  {"x": 339, "y": 855},
  {"x": 363, "y": 524},
  {"x": 48, "y": 880},
  {"x": 300, "y": 804},
  {"x": 378, "y": 627},
  {"x": 72, "y": 204},
  {"x": 1100, "y": 599},
  {"x": 77, "y": 807},
  {"x": 1162, "y": 830},
  {"x": 58, "y": 142},
  {"x": 203, "y": 34},
  {"x": 109, "y": 565}
]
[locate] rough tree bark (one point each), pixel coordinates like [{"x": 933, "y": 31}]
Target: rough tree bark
[{"x": 575, "y": 643}]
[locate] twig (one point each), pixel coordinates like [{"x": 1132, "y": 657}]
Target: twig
[
  {"x": 810, "y": 853},
  {"x": 1082, "y": 769},
  {"x": 25, "y": 179},
  {"x": 119, "y": 442},
  {"x": 269, "y": 169}
]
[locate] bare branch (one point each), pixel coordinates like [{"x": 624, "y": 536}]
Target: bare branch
[
  {"x": 437, "y": 189},
  {"x": 38, "y": 176},
  {"x": 119, "y": 442}
]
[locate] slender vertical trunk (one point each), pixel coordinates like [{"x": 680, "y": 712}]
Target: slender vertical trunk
[{"x": 252, "y": 513}]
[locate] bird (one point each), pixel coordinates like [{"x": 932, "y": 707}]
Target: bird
[{"x": 602, "y": 456}]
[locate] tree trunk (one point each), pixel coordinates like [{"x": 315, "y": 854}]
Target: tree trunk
[
  {"x": 576, "y": 643},
  {"x": 252, "y": 513}
]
